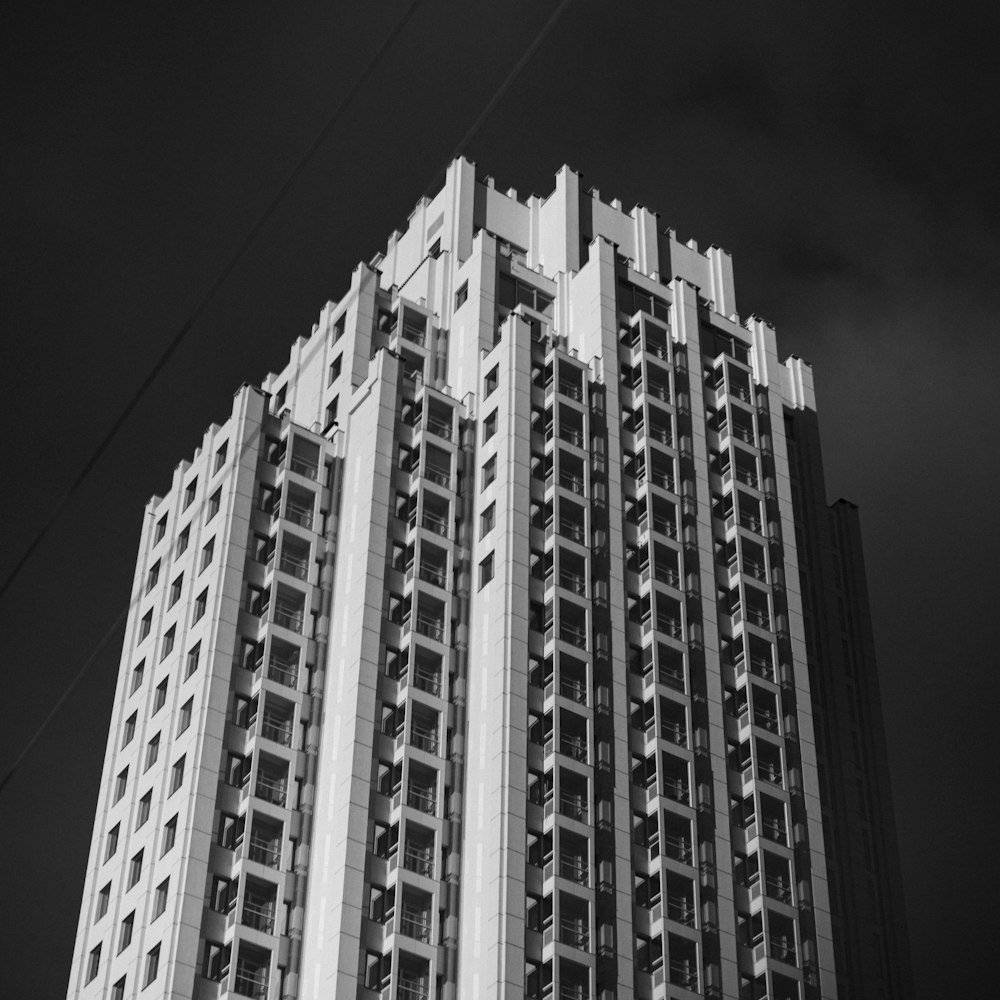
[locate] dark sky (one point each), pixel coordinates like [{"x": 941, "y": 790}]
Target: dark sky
[{"x": 841, "y": 151}]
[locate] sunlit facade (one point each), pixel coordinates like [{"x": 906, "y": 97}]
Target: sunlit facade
[{"x": 467, "y": 656}]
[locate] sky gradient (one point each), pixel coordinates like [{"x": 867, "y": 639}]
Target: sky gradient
[{"x": 843, "y": 155}]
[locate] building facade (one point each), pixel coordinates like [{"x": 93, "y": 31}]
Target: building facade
[{"x": 473, "y": 654}]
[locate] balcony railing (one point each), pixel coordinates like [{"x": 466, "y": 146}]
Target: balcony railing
[
  {"x": 419, "y": 861},
  {"x": 678, "y": 849},
  {"x": 576, "y": 582},
  {"x": 571, "y": 389},
  {"x": 258, "y": 916},
  {"x": 782, "y": 950},
  {"x": 302, "y": 516},
  {"x": 676, "y": 789},
  {"x": 426, "y": 680},
  {"x": 571, "y": 530},
  {"x": 303, "y": 468},
  {"x": 681, "y": 974},
  {"x": 432, "y": 574},
  {"x": 250, "y": 982},
  {"x": 290, "y": 618},
  {"x": 674, "y": 732},
  {"x": 274, "y": 790},
  {"x": 277, "y": 732},
  {"x": 422, "y": 799},
  {"x": 431, "y": 627},
  {"x": 294, "y": 566},
  {"x": 680, "y": 910},
  {"x": 574, "y": 690},
  {"x": 415, "y": 925},
  {"x": 575, "y": 747},
  {"x": 424, "y": 738},
  {"x": 574, "y": 933},
  {"x": 573, "y": 634},
  {"x": 264, "y": 852},
  {"x": 573, "y": 806},
  {"x": 575, "y": 869},
  {"x": 283, "y": 672},
  {"x": 432, "y": 522},
  {"x": 572, "y": 482},
  {"x": 438, "y": 475},
  {"x": 440, "y": 427},
  {"x": 408, "y": 991},
  {"x": 779, "y": 889}
]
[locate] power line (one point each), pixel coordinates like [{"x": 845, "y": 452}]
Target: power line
[
  {"x": 185, "y": 329},
  {"x": 118, "y": 622},
  {"x": 477, "y": 124}
]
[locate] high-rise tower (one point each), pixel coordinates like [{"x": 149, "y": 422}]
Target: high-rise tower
[{"x": 467, "y": 657}]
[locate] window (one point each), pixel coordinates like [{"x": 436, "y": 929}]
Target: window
[
  {"x": 103, "y": 898},
  {"x": 152, "y": 576},
  {"x": 152, "y": 751},
  {"x": 220, "y": 456},
  {"x": 489, "y": 471},
  {"x": 214, "y": 503},
  {"x": 160, "y": 696},
  {"x": 339, "y": 326},
  {"x": 93, "y": 964},
  {"x": 118, "y": 990},
  {"x": 143, "y": 814},
  {"x": 137, "y": 672},
  {"x": 491, "y": 381},
  {"x": 462, "y": 295},
  {"x": 168, "y": 643},
  {"x": 160, "y": 530},
  {"x": 175, "y": 591},
  {"x": 217, "y": 960},
  {"x": 206, "y": 555},
  {"x": 160, "y": 899},
  {"x": 486, "y": 571},
  {"x": 489, "y": 426},
  {"x": 125, "y": 937},
  {"x": 152, "y": 965},
  {"x": 189, "y": 494},
  {"x": 176, "y": 776},
  {"x": 185, "y": 720},
  {"x": 129, "y": 729},
  {"x": 435, "y": 249},
  {"x": 331, "y": 413},
  {"x": 201, "y": 605},
  {"x": 335, "y": 367},
  {"x": 134, "y": 870},
  {"x": 169, "y": 835},
  {"x": 146, "y": 624},
  {"x": 120, "y": 783},
  {"x": 112, "y": 842},
  {"x": 182, "y": 540},
  {"x": 279, "y": 398},
  {"x": 487, "y": 520},
  {"x": 192, "y": 659}
]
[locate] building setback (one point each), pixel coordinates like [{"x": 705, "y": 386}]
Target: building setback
[{"x": 480, "y": 652}]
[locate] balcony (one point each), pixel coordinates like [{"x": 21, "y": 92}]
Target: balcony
[
  {"x": 285, "y": 672},
  {"x": 678, "y": 849},
  {"x": 422, "y": 799},
  {"x": 419, "y": 860},
  {"x": 288, "y": 616},
  {"x": 277, "y": 729},
  {"x": 573, "y": 689},
  {"x": 434, "y": 523},
  {"x": 440, "y": 427},
  {"x": 265, "y": 852},
  {"x": 424, "y": 737},
  {"x": 680, "y": 910},
  {"x": 574, "y": 747},
  {"x": 575, "y": 933},
  {"x": 571, "y": 481},
  {"x": 293, "y": 565},
  {"x": 575, "y": 582},
  {"x": 272, "y": 789},
  {"x": 575, "y": 635},
  {"x": 303, "y": 468},
  {"x": 415, "y": 924},
  {"x": 299, "y": 514},
  {"x": 430, "y": 626},
  {"x": 572, "y": 390},
  {"x": 259, "y": 916},
  {"x": 674, "y": 732},
  {"x": 575, "y": 869},
  {"x": 251, "y": 981}
]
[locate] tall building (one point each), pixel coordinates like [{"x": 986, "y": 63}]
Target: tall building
[{"x": 469, "y": 658}]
